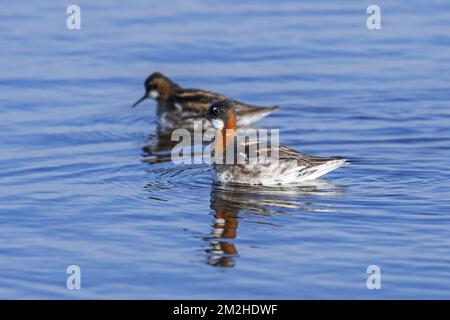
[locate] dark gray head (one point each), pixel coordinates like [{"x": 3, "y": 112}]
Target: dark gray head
[
  {"x": 158, "y": 87},
  {"x": 222, "y": 115}
]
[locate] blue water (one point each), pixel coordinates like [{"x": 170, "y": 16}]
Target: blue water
[{"x": 77, "y": 187}]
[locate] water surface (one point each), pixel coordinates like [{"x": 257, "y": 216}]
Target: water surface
[{"x": 80, "y": 183}]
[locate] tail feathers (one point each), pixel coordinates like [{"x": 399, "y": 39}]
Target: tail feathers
[
  {"x": 250, "y": 116},
  {"x": 319, "y": 170},
  {"x": 274, "y": 107}
]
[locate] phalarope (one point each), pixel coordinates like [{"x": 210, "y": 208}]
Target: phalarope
[
  {"x": 291, "y": 166},
  {"x": 175, "y": 103}
]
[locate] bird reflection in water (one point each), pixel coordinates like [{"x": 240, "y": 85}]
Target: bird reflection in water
[
  {"x": 158, "y": 147},
  {"x": 222, "y": 251},
  {"x": 232, "y": 204}
]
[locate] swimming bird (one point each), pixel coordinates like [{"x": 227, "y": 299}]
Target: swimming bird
[
  {"x": 177, "y": 107},
  {"x": 290, "y": 166}
]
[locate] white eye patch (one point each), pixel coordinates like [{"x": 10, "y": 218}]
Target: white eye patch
[
  {"x": 154, "y": 94},
  {"x": 217, "y": 124}
]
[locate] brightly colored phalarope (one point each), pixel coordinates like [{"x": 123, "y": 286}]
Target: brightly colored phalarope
[
  {"x": 174, "y": 103},
  {"x": 290, "y": 166}
]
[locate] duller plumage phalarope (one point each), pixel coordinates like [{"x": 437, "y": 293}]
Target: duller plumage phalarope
[
  {"x": 177, "y": 107},
  {"x": 291, "y": 166}
]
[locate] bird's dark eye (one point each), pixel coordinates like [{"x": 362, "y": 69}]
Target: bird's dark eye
[{"x": 214, "y": 110}]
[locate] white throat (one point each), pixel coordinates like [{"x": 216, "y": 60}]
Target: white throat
[
  {"x": 217, "y": 124},
  {"x": 153, "y": 94}
]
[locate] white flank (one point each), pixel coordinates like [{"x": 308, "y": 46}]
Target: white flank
[{"x": 276, "y": 173}]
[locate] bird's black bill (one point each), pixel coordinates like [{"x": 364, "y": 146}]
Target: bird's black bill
[{"x": 139, "y": 101}]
